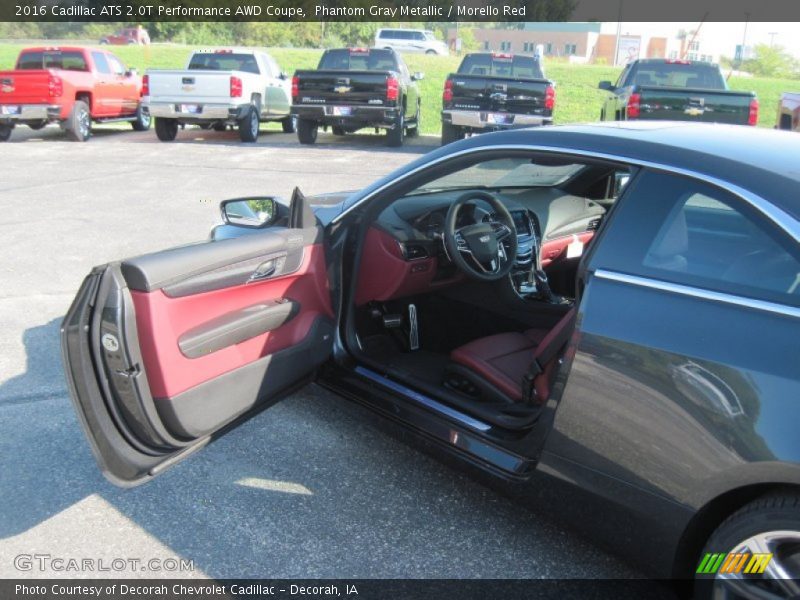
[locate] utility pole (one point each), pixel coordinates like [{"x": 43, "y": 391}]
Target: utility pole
[
  {"x": 744, "y": 40},
  {"x": 772, "y": 35}
]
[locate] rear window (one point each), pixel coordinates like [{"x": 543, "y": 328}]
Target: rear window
[
  {"x": 358, "y": 59},
  {"x": 224, "y": 61},
  {"x": 48, "y": 59},
  {"x": 692, "y": 75},
  {"x": 524, "y": 67}
]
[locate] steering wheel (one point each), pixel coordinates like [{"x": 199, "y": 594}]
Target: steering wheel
[{"x": 484, "y": 251}]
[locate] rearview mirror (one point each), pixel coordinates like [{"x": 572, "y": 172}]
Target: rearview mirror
[
  {"x": 418, "y": 76},
  {"x": 249, "y": 212},
  {"x": 606, "y": 85}
]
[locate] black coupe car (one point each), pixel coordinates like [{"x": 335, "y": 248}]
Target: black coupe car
[{"x": 607, "y": 310}]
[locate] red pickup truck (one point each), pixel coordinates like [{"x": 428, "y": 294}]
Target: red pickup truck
[{"x": 71, "y": 87}]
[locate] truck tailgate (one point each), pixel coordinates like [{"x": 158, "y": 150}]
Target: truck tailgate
[
  {"x": 342, "y": 87},
  {"x": 194, "y": 86},
  {"x": 499, "y": 94},
  {"x": 694, "y": 104},
  {"x": 25, "y": 87}
]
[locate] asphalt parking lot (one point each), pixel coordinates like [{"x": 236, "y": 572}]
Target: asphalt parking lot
[{"x": 306, "y": 489}]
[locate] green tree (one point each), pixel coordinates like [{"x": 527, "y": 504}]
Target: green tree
[{"x": 771, "y": 61}]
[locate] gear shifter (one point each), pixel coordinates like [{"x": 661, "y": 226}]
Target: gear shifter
[{"x": 544, "y": 293}]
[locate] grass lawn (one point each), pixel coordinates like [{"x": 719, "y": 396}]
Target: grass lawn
[{"x": 578, "y": 99}]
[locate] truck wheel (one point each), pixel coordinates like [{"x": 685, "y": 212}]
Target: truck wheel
[
  {"x": 307, "y": 131},
  {"x": 414, "y": 131},
  {"x": 5, "y": 132},
  {"x": 770, "y": 524},
  {"x": 166, "y": 129},
  {"x": 603, "y": 115},
  {"x": 79, "y": 122},
  {"x": 248, "y": 127},
  {"x": 451, "y": 133},
  {"x": 37, "y": 125},
  {"x": 289, "y": 124},
  {"x": 142, "y": 120},
  {"x": 396, "y": 136},
  {"x": 786, "y": 122}
]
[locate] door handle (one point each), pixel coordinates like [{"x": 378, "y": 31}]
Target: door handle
[{"x": 263, "y": 271}]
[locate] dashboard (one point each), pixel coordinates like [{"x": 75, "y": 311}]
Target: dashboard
[{"x": 405, "y": 255}]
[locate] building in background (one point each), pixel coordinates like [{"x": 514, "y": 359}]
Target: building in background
[{"x": 578, "y": 42}]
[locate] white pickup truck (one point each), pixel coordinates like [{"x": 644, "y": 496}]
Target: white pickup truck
[{"x": 240, "y": 87}]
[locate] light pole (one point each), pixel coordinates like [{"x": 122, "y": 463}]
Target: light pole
[
  {"x": 772, "y": 35},
  {"x": 744, "y": 39}
]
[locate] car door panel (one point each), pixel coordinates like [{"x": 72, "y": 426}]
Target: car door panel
[{"x": 166, "y": 349}]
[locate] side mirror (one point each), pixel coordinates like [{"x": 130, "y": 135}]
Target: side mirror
[
  {"x": 606, "y": 85},
  {"x": 249, "y": 212},
  {"x": 131, "y": 73},
  {"x": 283, "y": 75},
  {"x": 418, "y": 76}
]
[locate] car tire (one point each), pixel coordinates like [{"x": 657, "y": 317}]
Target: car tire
[
  {"x": 248, "y": 126},
  {"x": 451, "y": 133},
  {"x": 79, "y": 122},
  {"x": 413, "y": 132},
  {"x": 307, "y": 131},
  {"x": 337, "y": 130},
  {"x": 166, "y": 129},
  {"x": 289, "y": 124},
  {"x": 104, "y": 42},
  {"x": 37, "y": 125},
  {"x": 142, "y": 120},
  {"x": 5, "y": 132},
  {"x": 430, "y": 52},
  {"x": 770, "y": 524},
  {"x": 786, "y": 122},
  {"x": 396, "y": 136}
]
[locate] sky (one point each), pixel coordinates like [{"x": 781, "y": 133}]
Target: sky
[{"x": 723, "y": 36}]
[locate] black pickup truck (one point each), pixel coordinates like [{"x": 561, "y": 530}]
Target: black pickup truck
[
  {"x": 676, "y": 90},
  {"x": 353, "y": 88},
  {"x": 492, "y": 91}
]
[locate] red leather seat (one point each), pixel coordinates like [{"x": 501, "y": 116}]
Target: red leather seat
[{"x": 504, "y": 359}]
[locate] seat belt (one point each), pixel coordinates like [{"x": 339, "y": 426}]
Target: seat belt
[{"x": 545, "y": 352}]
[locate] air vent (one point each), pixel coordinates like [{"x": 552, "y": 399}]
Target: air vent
[
  {"x": 414, "y": 252},
  {"x": 594, "y": 224}
]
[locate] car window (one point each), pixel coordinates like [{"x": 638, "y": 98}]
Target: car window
[
  {"x": 358, "y": 59},
  {"x": 116, "y": 67},
  {"x": 224, "y": 61},
  {"x": 678, "y": 74},
  {"x": 418, "y": 35},
  {"x": 69, "y": 60},
  {"x": 100, "y": 63},
  {"x": 501, "y": 65},
  {"x": 510, "y": 172},
  {"x": 684, "y": 231}
]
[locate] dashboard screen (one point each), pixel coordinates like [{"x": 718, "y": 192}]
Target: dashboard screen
[{"x": 521, "y": 222}]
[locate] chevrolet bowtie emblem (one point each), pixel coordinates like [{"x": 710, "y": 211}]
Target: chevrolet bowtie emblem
[
  {"x": 7, "y": 89},
  {"x": 342, "y": 89}
]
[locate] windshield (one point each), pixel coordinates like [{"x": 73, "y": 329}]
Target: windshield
[
  {"x": 691, "y": 75},
  {"x": 501, "y": 65},
  {"x": 224, "y": 61},
  {"x": 358, "y": 59},
  {"x": 505, "y": 172}
]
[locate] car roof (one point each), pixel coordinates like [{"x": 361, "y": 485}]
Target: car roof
[{"x": 759, "y": 160}]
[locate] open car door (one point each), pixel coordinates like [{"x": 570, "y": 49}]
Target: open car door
[{"x": 165, "y": 350}]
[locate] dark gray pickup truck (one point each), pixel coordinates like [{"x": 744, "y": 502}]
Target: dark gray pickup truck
[
  {"x": 676, "y": 90},
  {"x": 353, "y": 88},
  {"x": 494, "y": 91}
]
